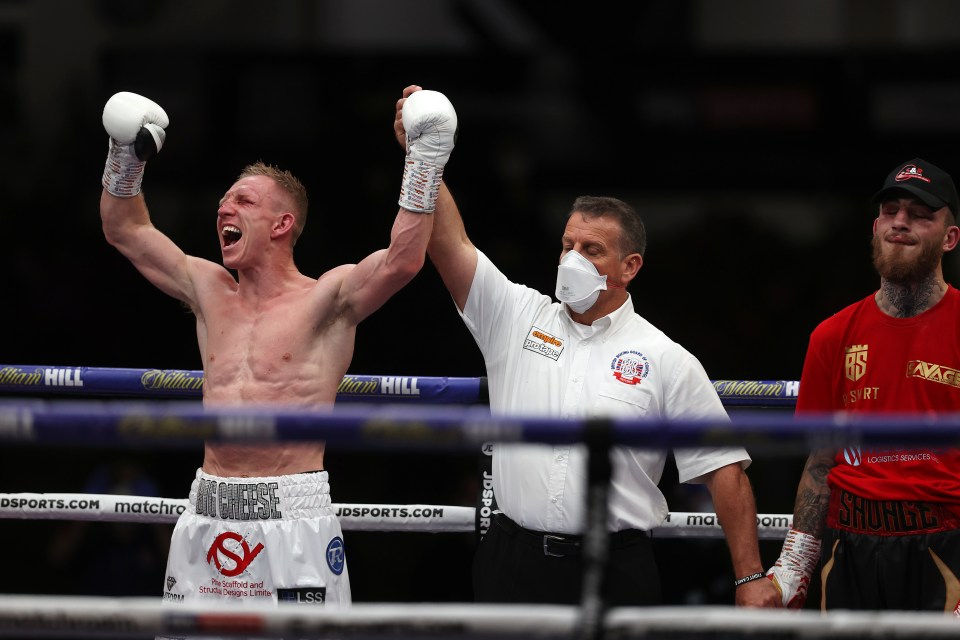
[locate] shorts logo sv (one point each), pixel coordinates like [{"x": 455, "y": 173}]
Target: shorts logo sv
[
  {"x": 335, "y": 555},
  {"x": 218, "y": 548}
]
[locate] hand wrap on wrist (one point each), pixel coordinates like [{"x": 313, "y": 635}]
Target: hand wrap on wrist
[
  {"x": 421, "y": 186},
  {"x": 123, "y": 173},
  {"x": 793, "y": 569}
]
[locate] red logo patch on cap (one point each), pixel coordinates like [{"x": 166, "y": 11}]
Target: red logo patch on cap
[{"x": 909, "y": 172}]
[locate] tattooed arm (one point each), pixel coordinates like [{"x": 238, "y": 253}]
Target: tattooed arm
[
  {"x": 801, "y": 549},
  {"x": 818, "y": 393},
  {"x": 813, "y": 494}
]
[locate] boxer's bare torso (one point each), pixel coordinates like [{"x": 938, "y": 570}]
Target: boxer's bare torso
[
  {"x": 289, "y": 346},
  {"x": 269, "y": 335}
]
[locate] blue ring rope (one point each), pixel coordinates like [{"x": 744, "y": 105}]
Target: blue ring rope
[
  {"x": 187, "y": 384},
  {"x": 423, "y": 427}
]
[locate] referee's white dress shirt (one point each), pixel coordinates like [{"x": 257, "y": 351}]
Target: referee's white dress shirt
[{"x": 540, "y": 362}]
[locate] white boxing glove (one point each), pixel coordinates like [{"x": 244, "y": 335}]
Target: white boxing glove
[
  {"x": 793, "y": 569},
  {"x": 136, "y": 126},
  {"x": 430, "y": 123}
]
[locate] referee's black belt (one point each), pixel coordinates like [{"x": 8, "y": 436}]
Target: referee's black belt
[{"x": 561, "y": 544}]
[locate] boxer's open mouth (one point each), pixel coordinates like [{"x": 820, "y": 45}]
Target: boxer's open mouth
[{"x": 231, "y": 235}]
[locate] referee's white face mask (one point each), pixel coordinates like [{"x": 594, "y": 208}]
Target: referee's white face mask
[{"x": 578, "y": 282}]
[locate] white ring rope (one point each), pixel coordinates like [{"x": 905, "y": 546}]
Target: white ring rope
[
  {"x": 144, "y": 509},
  {"x": 144, "y": 617},
  {"x": 353, "y": 517}
]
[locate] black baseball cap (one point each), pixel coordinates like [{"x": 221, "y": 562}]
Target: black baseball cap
[{"x": 927, "y": 182}]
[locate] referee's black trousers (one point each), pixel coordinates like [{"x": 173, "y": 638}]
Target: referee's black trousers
[{"x": 516, "y": 565}]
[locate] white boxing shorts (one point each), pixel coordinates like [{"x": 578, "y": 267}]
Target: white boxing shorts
[{"x": 255, "y": 540}]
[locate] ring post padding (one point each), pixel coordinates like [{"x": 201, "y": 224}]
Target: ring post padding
[{"x": 597, "y": 437}]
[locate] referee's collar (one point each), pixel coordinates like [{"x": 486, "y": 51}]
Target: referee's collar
[{"x": 611, "y": 321}]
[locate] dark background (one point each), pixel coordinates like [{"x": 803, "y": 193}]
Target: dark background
[{"x": 750, "y": 134}]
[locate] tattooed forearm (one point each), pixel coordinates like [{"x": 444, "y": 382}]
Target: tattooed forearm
[
  {"x": 813, "y": 494},
  {"x": 810, "y": 511}
]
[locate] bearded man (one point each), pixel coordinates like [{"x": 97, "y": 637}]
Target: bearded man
[{"x": 884, "y": 525}]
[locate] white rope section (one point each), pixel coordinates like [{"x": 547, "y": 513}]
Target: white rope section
[
  {"x": 732, "y": 622},
  {"x": 692, "y": 524},
  {"x": 117, "y": 508},
  {"x": 353, "y": 517},
  {"x": 146, "y": 617}
]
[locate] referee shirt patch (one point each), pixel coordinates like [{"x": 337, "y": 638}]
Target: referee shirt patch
[
  {"x": 541, "y": 342},
  {"x": 630, "y": 367}
]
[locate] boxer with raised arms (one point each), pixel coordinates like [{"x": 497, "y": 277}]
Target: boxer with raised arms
[{"x": 259, "y": 525}]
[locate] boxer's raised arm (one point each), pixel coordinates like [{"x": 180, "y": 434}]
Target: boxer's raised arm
[
  {"x": 450, "y": 250},
  {"x": 430, "y": 123},
  {"x": 136, "y": 126}
]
